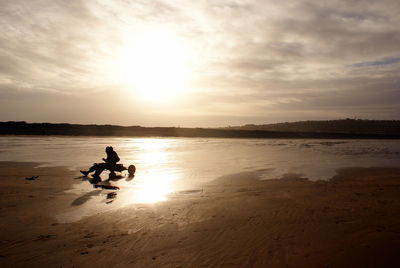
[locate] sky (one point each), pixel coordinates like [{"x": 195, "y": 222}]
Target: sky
[{"x": 198, "y": 63}]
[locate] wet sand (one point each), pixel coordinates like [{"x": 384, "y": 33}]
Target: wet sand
[{"x": 353, "y": 220}]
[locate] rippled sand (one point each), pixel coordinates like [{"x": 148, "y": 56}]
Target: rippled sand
[{"x": 236, "y": 220}]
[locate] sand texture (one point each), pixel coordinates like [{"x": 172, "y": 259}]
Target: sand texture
[{"x": 353, "y": 220}]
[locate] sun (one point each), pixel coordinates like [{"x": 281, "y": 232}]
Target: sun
[{"x": 154, "y": 64}]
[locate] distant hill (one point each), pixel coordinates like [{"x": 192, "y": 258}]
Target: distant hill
[
  {"x": 338, "y": 129},
  {"x": 353, "y": 126}
]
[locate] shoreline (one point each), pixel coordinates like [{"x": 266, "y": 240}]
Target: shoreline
[
  {"x": 346, "y": 139},
  {"x": 352, "y": 219},
  {"x": 278, "y": 135}
]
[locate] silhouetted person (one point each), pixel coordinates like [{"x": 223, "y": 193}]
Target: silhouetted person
[{"x": 109, "y": 163}]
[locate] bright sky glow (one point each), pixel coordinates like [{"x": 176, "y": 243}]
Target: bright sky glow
[{"x": 154, "y": 65}]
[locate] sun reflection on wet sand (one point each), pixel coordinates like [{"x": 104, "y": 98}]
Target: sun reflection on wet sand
[
  {"x": 150, "y": 189},
  {"x": 154, "y": 180}
]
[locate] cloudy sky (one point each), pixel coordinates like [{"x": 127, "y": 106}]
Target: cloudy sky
[{"x": 198, "y": 63}]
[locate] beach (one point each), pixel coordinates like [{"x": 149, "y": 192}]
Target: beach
[
  {"x": 190, "y": 134},
  {"x": 237, "y": 220}
]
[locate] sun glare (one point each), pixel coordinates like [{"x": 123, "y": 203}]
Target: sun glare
[
  {"x": 155, "y": 178},
  {"x": 154, "y": 64},
  {"x": 153, "y": 188}
]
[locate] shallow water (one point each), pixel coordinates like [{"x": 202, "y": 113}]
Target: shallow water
[
  {"x": 166, "y": 165},
  {"x": 202, "y": 160}
]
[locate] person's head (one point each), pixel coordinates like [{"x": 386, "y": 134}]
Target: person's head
[{"x": 109, "y": 149}]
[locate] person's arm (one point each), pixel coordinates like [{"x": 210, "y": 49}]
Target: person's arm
[{"x": 108, "y": 159}]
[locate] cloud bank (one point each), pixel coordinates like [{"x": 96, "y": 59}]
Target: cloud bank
[{"x": 253, "y": 61}]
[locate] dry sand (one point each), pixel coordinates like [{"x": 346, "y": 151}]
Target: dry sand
[{"x": 237, "y": 221}]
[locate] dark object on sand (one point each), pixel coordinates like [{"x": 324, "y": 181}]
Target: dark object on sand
[
  {"x": 45, "y": 237},
  {"x": 107, "y": 187},
  {"x": 131, "y": 170},
  {"x": 111, "y": 195},
  {"x": 31, "y": 178}
]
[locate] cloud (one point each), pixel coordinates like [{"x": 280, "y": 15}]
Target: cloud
[
  {"x": 49, "y": 45},
  {"x": 384, "y": 61},
  {"x": 255, "y": 58}
]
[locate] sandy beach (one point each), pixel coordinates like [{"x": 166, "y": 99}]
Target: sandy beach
[
  {"x": 190, "y": 134},
  {"x": 352, "y": 220}
]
